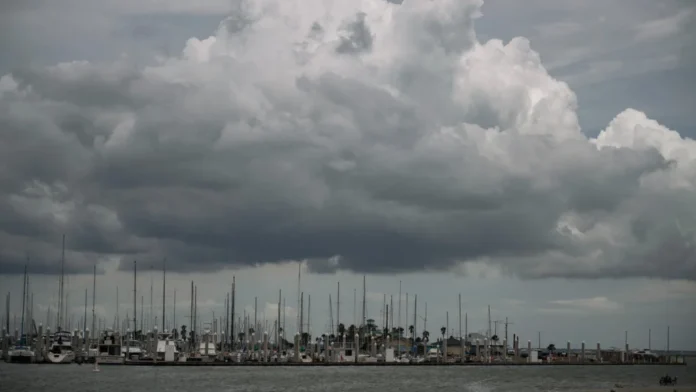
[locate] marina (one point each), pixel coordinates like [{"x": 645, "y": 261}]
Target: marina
[
  {"x": 365, "y": 345},
  {"x": 244, "y": 340}
]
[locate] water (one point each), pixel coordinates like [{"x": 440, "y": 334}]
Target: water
[{"x": 75, "y": 378}]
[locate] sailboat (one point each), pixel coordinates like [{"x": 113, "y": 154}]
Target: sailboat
[
  {"x": 61, "y": 350},
  {"x": 166, "y": 349},
  {"x": 21, "y": 352}
]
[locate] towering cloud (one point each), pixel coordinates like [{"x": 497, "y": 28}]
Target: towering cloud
[{"x": 362, "y": 135}]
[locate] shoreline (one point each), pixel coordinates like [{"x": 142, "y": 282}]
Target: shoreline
[
  {"x": 370, "y": 364},
  {"x": 669, "y": 388}
]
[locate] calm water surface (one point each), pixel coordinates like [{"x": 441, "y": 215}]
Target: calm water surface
[{"x": 75, "y": 378}]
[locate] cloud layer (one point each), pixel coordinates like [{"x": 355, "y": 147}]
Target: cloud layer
[{"x": 367, "y": 135}]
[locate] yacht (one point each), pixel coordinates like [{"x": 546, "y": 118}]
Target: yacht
[
  {"x": 109, "y": 348},
  {"x": 61, "y": 350},
  {"x": 206, "y": 347},
  {"x": 132, "y": 350},
  {"x": 166, "y": 347},
  {"x": 433, "y": 355}
]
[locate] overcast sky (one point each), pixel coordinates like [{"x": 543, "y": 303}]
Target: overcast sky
[{"x": 535, "y": 156}]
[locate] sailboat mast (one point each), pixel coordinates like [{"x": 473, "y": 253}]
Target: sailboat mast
[
  {"x": 164, "y": 289},
  {"x": 309, "y": 314},
  {"x": 488, "y": 335},
  {"x": 135, "y": 296},
  {"x": 415, "y": 317},
  {"x": 398, "y": 324},
  {"x": 150, "y": 315},
  {"x": 460, "y": 315},
  {"x": 338, "y": 307},
  {"x": 7, "y": 313},
  {"x": 117, "y": 326},
  {"x": 24, "y": 297},
  {"x": 364, "y": 305},
  {"x": 61, "y": 294},
  {"x": 84, "y": 322},
  {"x": 234, "y": 338},
  {"x": 355, "y": 307},
  {"x": 277, "y": 337},
  {"x": 191, "y": 311},
  {"x": 299, "y": 315},
  {"x": 94, "y": 297}
]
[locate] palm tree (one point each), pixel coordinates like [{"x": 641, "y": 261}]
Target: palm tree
[
  {"x": 410, "y": 330},
  {"x": 341, "y": 329},
  {"x": 426, "y": 336},
  {"x": 551, "y": 348},
  {"x": 442, "y": 331},
  {"x": 183, "y": 332}
]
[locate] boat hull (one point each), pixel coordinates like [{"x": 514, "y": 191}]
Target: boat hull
[
  {"x": 60, "y": 358},
  {"x": 20, "y": 356}
]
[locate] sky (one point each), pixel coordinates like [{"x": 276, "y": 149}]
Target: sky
[{"x": 536, "y": 157}]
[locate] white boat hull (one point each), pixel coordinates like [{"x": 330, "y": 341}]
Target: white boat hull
[
  {"x": 20, "y": 356},
  {"x": 64, "y": 357}
]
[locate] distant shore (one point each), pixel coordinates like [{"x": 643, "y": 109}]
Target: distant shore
[
  {"x": 376, "y": 364},
  {"x": 647, "y": 389}
]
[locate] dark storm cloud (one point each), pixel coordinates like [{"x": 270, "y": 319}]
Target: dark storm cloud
[{"x": 213, "y": 160}]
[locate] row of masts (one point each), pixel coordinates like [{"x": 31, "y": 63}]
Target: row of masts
[
  {"x": 230, "y": 310},
  {"x": 229, "y": 305},
  {"x": 228, "y": 324}
]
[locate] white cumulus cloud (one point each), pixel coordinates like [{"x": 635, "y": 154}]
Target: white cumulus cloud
[{"x": 384, "y": 137}]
